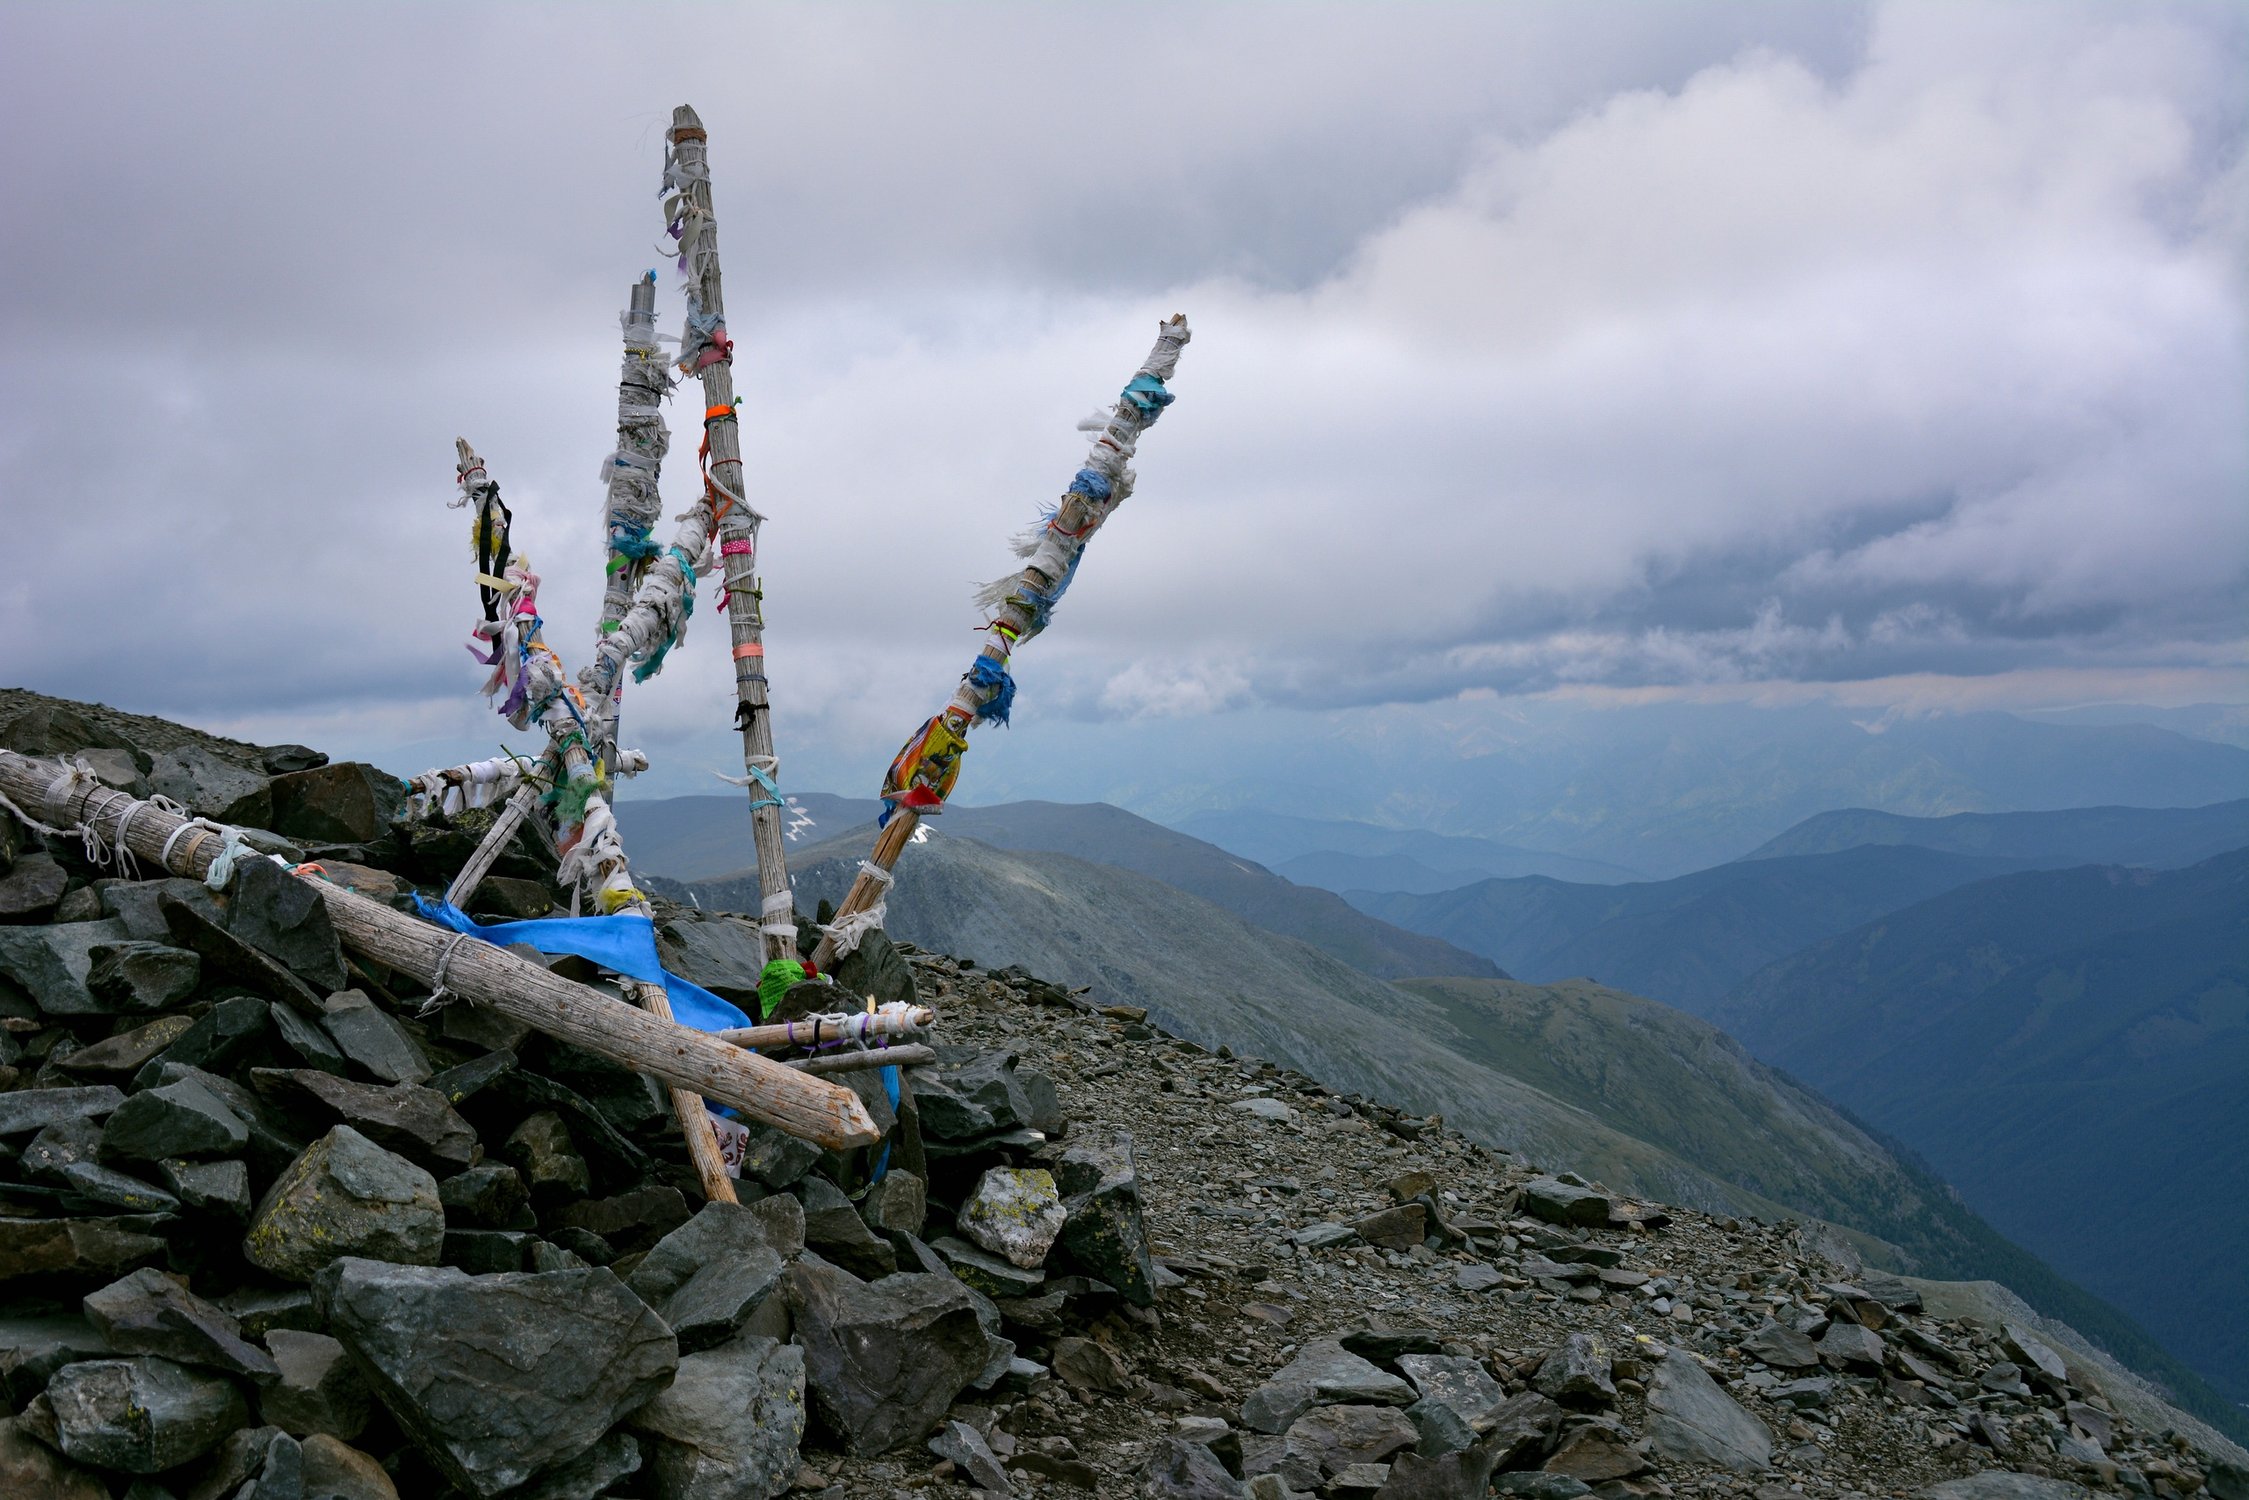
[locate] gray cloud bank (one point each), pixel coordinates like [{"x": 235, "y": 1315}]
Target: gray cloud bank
[{"x": 1538, "y": 347}]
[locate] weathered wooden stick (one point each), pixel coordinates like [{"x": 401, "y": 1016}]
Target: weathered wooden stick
[
  {"x": 706, "y": 352},
  {"x": 811, "y": 1031},
  {"x": 922, "y": 775},
  {"x": 593, "y": 854},
  {"x": 487, "y": 853},
  {"x": 471, "y": 968},
  {"x": 912, "y": 1056}
]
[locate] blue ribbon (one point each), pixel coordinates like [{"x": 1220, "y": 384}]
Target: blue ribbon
[
  {"x": 1147, "y": 393},
  {"x": 624, "y": 944}
]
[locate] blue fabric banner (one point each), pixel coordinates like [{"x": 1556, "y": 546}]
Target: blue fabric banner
[{"x": 624, "y": 944}]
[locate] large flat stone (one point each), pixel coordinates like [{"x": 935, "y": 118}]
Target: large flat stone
[
  {"x": 346, "y": 1196},
  {"x": 26, "y": 1111},
  {"x": 709, "y": 1275},
  {"x": 413, "y": 1121},
  {"x": 883, "y": 1359},
  {"x": 498, "y": 1377},
  {"x": 149, "y": 1312},
  {"x": 1690, "y": 1419},
  {"x": 51, "y": 963},
  {"x": 728, "y": 1426},
  {"x": 1323, "y": 1373}
]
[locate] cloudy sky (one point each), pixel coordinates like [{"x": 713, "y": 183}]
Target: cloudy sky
[{"x": 1879, "y": 352}]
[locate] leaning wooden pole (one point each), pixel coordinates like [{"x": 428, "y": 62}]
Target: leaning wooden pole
[
  {"x": 708, "y": 354},
  {"x": 465, "y": 966},
  {"x": 923, "y": 773},
  {"x": 593, "y": 855}
]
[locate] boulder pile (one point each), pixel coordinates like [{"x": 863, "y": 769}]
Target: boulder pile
[{"x": 273, "y": 1224}]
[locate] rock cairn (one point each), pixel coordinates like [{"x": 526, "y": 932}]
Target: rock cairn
[{"x": 273, "y": 1228}]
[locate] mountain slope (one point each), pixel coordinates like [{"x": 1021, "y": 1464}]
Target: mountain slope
[
  {"x": 1669, "y": 1078},
  {"x": 1685, "y": 941},
  {"x": 1617, "y": 1087},
  {"x": 2161, "y": 838},
  {"x": 666, "y": 838},
  {"x": 2071, "y": 1048}
]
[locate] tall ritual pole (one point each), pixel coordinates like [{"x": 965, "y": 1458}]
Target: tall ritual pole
[
  {"x": 922, "y": 775},
  {"x": 708, "y": 354}
]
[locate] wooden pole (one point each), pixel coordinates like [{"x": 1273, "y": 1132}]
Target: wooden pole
[
  {"x": 707, "y": 353},
  {"x": 813, "y": 1030},
  {"x": 912, "y": 1056},
  {"x": 472, "y": 969},
  {"x": 921, "y": 777},
  {"x": 593, "y": 854}
]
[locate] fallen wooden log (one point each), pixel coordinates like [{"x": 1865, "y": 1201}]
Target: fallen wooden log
[
  {"x": 811, "y": 1031},
  {"x": 874, "y": 1057},
  {"x": 467, "y": 967}
]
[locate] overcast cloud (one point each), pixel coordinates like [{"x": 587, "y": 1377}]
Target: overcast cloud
[{"x": 1772, "y": 349}]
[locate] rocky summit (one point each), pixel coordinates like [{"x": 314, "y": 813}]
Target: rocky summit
[{"x": 273, "y": 1226}]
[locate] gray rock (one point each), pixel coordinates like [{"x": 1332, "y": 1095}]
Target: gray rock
[
  {"x": 775, "y": 1158},
  {"x": 183, "y": 1119},
  {"x": 370, "y": 1037},
  {"x": 50, "y": 963},
  {"x": 1996, "y": 1485},
  {"x": 1322, "y": 1236},
  {"x": 590, "y": 1475},
  {"x": 1263, "y": 1108},
  {"x": 1477, "y": 1278},
  {"x": 1781, "y": 1347},
  {"x": 2033, "y": 1353},
  {"x": 1386, "y": 1346},
  {"x": 190, "y": 926},
  {"x": 348, "y": 802},
  {"x": 29, "y": 1110},
  {"x": 219, "y": 1039},
  {"x": 1521, "y": 1429},
  {"x": 1014, "y": 1212},
  {"x": 489, "y": 1195},
  {"x": 1322, "y": 1372},
  {"x": 136, "y": 904},
  {"x": 317, "y": 1388},
  {"x": 883, "y": 1360},
  {"x": 1085, "y": 1365},
  {"x": 109, "y": 1189},
  {"x": 221, "y": 1187},
  {"x": 77, "y": 1138},
  {"x": 1690, "y": 1419},
  {"x": 127, "y": 1052},
  {"x": 1184, "y": 1470},
  {"x": 833, "y": 1227},
  {"x": 974, "y": 1092},
  {"x": 142, "y": 1416},
  {"x": 1441, "y": 1429},
  {"x": 33, "y": 1348},
  {"x": 728, "y": 1426},
  {"x": 1459, "y": 1384},
  {"x": 79, "y": 1249},
  {"x": 150, "y": 1313},
  {"x": 1540, "y": 1486},
  {"x": 988, "y": 1274},
  {"x": 1559, "y": 1202},
  {"x": 543, "y": 1152},
  {"x": 1847, "y": 1345},
  {"x": 1329, "y": 1439},
  {"x": 334, "y": 1470},
  {"x": 709, "y": 1275},
  {"x": 346, "y": 1196},
  {"x": 1455, "y": 1475},
  {"x": 211, "y": 787},
  {"x": 1577, "y": 1372},
  {"x": 1803, "y": 1394},
  {"x": 34, "y": 1471},
  {"x": 1104, "y": 1233},
  {"x": 307, "y": 1038},
  {"x": 490, "y": 1375},
  {"x": 1398, "y": 1228},
  {"x": 286, "y": 919},
  {"x": 483, "y": 1252},
  {"x": 136, "y": 977},
  {"x": 897, "y": 1204},
  {"x": 413, "y": 1121},
  {"x": 972, "y": 1456},
  {"x": 31, "y": 888}
]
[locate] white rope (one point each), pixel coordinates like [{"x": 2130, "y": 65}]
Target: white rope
[
  {"x": 204, "y": 825},
  {"x": 780, "y": 903},
  {"x": 222, "y": 868},
  {"x": 876, "y": 873},
  {"x": 846, "y": 933},
  {"x": 780, "y": 929},
  {"x": 26, "y": 819}
]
